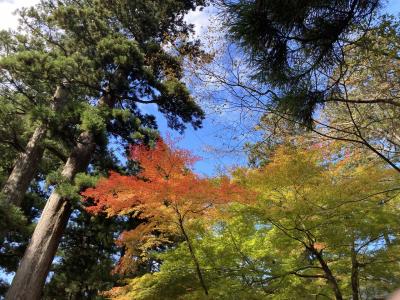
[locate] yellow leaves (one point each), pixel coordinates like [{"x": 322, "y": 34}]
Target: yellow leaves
[
  {"x": 136, "y": 288},
  {"x": 118, "y": 293},
  {"x": 289, "y": 173},
  {"x": 299, "y": 187}
]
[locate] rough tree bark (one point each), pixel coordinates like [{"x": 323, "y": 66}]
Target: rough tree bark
[
  {"x": 33, "y": 269},
  {"x": 27, "y": 163},
  {"x": 34, "y": 266}
]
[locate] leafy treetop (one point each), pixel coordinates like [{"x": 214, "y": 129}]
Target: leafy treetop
[
  {"x": 165, "y": 193},
  {"x": 294, "y": 44}
]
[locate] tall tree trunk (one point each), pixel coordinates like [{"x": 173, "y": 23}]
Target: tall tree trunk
[
  {"x": 329, "y": 275},
  {"x": 34, "y": 266},
  {"x": 27, "y": 163},
  {"x": 31, "y": 275},
  {"x": 355, "y": 288}
]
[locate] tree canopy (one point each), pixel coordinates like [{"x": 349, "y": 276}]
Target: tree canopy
[
  {"x": 295, "y": 44},
  {"x": 99, "y": 201},
  {"x": 295, "y": 240}
]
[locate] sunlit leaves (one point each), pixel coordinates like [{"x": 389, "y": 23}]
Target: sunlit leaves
[{"x": 166, "y": 194}]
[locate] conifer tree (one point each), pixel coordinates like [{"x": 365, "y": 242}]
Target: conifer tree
[
  {"x": 117, "y": 51},
  {"x": 27, "y": 162},
  {"x": 293, "y": 45}
]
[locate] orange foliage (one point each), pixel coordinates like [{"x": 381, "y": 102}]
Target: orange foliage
[
  {"x": 165, "y": 194},
  {"x": 165, "y": 181},
  {"x": 319, "y": 246}
]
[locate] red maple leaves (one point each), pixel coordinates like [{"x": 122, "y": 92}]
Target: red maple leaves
[
  {"x": 166, "y": 193},
  {"x": 165, "y": 181}
]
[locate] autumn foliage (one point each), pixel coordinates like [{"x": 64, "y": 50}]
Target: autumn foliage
[{"x": 165, "y": 194}]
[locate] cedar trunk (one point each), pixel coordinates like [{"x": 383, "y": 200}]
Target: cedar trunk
[
  {"x": 34, "y": 267},
  {"x": 27, "y": 163}
]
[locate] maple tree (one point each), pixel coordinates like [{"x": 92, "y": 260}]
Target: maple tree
[
  {"x": 166, "y": 194},
  {"x": 333, "y": 210},
  {"x": 364, "y": 108},
  {"x": 323, "y": 217},
  {"x": 355, "y": 100},
  {"x": 324, "y": 224}
]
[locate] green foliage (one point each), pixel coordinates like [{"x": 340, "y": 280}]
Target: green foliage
[
  {"x": 83, "y": 267},
  {"x": 366, "y": 98},
  {"x": 71, "y": 190},
  {"x": 319, "y": 211},
  {"x": 113, "y": 50},
  {"x": 92, "y": 119},
  {"x": 176, "y": 278},
  {"x": 12, "y": 218},
  {"x": 15, "y": 229},
  {"x": 84, "y": 181},
  {"x": 318, "y": 208},
  {"x": 293, "y": 45}
]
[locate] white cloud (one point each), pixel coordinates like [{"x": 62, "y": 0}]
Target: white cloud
[
  {"x": 201, "y": 19},
  {"x": 7, "y": 8}
]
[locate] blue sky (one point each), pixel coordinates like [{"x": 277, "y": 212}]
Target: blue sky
[
  {"x": 393, "y": 7},
  {"x": 217, "y": 145},
  {"x": 217, "y": 142}
]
